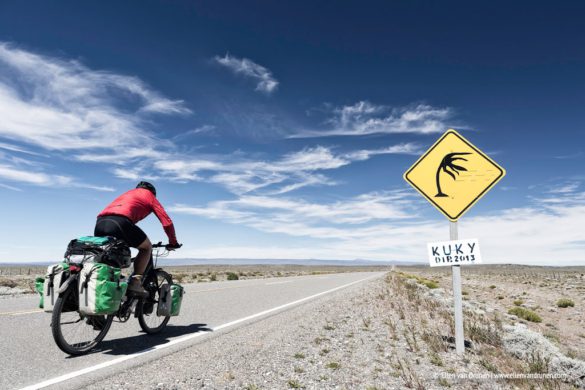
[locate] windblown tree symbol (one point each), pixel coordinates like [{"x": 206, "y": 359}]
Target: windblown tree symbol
[{"x": 448, "y": 162}]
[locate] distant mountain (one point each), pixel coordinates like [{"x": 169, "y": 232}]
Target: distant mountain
[
  {"x": 357, "y": 262},
  {"x": 174, "y": 261}
]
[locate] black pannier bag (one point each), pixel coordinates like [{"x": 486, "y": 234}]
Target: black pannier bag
[
  {"x": 117, "y": 255},
  {"x": 107, "y": 250}
]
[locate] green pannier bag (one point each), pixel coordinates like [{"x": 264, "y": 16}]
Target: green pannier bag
[
  {"x": 100, "y": 289},
  {"x": 177, "y": 292},
  {"x": 39, "y": 284},
  {"x": 56, "y": 275}
]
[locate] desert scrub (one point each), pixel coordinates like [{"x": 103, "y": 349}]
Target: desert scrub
[
  {"x": 525, "y": 314},
  {"x": 232, "y": 276},
  {"x": 420, "y": 280},
  {"x": 299, "y": 355},
  {"x": 518, "y": 302},
  {"x": 552, "y": 337},
  {"x": 294, "y": 384},
  {"x": 8, "y": 283},
  {"x": 493, "y": 286},
  {"x": 367, "y": 322},
  {"x": 179, "y": 277},
  {"x": 482, "y": 329},
  {"x": 430, "y": 284},
  {"x": 565, "y": 302},
  {"x": 407, "y": 276},
  {"x": 488, "y": 366},
  {"x": 538, "y": 364},
  {"x": 435, "y": 359},
  {"x": 333, "y": 365}
]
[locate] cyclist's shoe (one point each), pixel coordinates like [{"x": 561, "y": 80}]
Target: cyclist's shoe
[{"x": 136, "y": 290}]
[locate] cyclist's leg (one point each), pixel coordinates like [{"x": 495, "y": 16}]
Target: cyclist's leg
[
  {"x": 123, "y": 228},
  {"x": 141, "y": 260}
]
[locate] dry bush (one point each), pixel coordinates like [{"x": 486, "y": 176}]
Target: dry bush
[{"x": 4, "y": 282}]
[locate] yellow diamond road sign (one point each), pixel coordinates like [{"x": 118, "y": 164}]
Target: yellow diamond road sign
[{"x": 453, "y": 175}]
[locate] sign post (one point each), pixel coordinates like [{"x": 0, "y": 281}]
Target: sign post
[
  {"x": 457, "y": 296},
  {"x": 453, "y": 175}
]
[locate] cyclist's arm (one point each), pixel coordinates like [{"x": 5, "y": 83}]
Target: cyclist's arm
[{"x": 165, "y": 220}]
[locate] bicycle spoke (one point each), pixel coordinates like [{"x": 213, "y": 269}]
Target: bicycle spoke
[
  {"x": 75, "y": 333},
  {"x": 151, "y": 322}
]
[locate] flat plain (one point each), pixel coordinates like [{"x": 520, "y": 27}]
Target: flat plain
[
  {"x": 392, "y": 332},
  {"x": 555, "y": 294}
]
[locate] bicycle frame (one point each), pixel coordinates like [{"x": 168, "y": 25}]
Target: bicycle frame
[{"x": 75, "y": 340}]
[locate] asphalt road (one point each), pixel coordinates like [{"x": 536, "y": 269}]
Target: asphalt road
[{"x": 30, "y": 357}]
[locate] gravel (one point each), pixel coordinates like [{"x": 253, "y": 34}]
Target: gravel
[
  {"x": 368, "y": 336},
  {"x": 11, "y": 291},
  {"x": 338, "y": 342}
]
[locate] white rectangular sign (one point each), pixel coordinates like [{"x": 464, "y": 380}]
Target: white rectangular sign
[{"x": 454, "y": 252}]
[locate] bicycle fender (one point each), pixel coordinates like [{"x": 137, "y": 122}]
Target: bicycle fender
[{"x": 67, "y": 283}]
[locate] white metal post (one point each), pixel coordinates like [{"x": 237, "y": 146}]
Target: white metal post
[{"x": 457, "y": 297}]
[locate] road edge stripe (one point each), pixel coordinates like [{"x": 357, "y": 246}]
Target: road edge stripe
[{"x": 179, "y": 340}]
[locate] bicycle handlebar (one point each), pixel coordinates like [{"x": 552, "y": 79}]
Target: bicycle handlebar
[{"x": 166, "y": 246}]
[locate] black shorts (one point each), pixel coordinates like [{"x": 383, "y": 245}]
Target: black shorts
[{"x": 119, "y": 227}]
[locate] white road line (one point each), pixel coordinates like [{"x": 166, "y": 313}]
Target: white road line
[
  {"x": 286, "y": 281},
  {"x": 19, "y": 313},
  {"x": 183, "y": 339}
]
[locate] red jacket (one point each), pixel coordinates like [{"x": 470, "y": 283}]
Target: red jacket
[{"x": 136, "y": 205}]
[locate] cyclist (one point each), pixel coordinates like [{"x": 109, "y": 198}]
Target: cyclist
[{"x": 119, "y": 220}]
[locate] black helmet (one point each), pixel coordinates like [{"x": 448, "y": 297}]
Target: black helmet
[{"x": 148, "y": 186}]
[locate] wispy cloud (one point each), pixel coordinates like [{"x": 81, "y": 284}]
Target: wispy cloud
[
  {"x": 565, "y": 188},
  {"x": 389, "y": 226},
  {"x": 288, "y": 173},
  {"x": 205, "y": 129},
  {"x": 14, "y": 174},
  {"x": 571, "y": 156},
  {"x": 11, "y": 188},
  {"x": 265, "y": 81},
  {"x": 363, "y": 118},
  {"x": 59, "y": 104},
  {"x": 301, "y": 218},
  {"x": 14, "y": 148},
  {"x": 135, "y": 173}
]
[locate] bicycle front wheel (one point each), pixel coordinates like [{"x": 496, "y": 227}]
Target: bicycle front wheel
[
  {"x": 75, "y": 333},
  {"x": 147, "y": 308}
]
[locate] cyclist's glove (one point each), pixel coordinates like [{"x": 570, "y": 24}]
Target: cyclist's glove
[{"x": 172, "y": 247}]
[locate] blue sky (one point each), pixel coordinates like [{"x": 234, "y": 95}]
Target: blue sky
[{"x": 282, "y": 130}]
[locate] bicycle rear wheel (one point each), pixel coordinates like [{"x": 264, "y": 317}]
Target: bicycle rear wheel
[
  {"x": 147, "y": 308},
  {"x": 75, "y": 333}
]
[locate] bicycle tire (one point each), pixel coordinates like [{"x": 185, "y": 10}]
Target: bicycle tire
[
  {"x": 60, "y": 339},
  {"x": 143, "y": 317}
]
